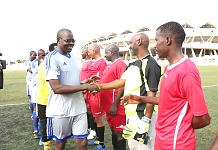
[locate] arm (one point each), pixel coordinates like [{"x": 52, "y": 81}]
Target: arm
[
  {"x": 214, "y": 146},
  {"x": 113, "y": 108},
  {"x": 200, "y": 121},
  {"x": 150, "y": 107},
  {"x": 112, "y": 85},
  {"x": 134, "y": 99},
  {"x": 29, "y": 69},
  {"x": 59, "y": 88},
  {"x": 194, "y": 93}
]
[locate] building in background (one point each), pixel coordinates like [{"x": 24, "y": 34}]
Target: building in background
[{"x": 201, "y": 44}]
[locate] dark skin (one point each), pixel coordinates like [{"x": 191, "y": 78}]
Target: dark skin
[
  {"x": 84, "y": 54},
  {"x": 167, "y": 47},
  {"x": 32, "y": 57},
  {"x": 214, "y": 145},
  {"x": 138, "y": 45},
  {"x": 94, "y": 53},
  {"x": 112, "y": 54},
  {"x": 58, "y": 88}
]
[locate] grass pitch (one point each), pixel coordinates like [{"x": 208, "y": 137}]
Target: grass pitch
[{"x": 16, "y": 126}]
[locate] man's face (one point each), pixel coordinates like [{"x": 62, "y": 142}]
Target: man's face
[
  {"x": 160, "y": 45},
  {"x": 84, "y": 53},
  {"x": 66, "y": 42},
  {"x": 91, "y": 52},
  {"x": 33, "y": 56},
  {"x": 108, "y": 54},
  {"x": 133, "y": 45},
  {"x": 41, "y": 54}
]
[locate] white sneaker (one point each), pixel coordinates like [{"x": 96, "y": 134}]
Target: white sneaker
[{"x": 91, "y": 135}]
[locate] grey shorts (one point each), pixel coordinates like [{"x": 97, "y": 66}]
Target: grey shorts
[{"x": 62, "y": 128}]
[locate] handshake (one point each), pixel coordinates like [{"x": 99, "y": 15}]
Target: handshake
[
  {"x": 140, "y": 133},
  {"x": 92, "y": 85}
]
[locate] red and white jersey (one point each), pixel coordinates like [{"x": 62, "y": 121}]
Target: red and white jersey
[
  {"x": 85, "y": 69},
  {"x": 97, "y": 67},
  {"x": 112, "y": 72},
  {"x": 181, "y": 98}
]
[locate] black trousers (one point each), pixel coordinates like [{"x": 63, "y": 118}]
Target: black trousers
[{"x": 43, "y": 121}]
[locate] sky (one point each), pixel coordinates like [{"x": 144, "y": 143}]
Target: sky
[{"x": 28, "y": 25}]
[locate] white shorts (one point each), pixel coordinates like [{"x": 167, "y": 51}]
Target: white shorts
[
  {"x": 134, "y": 145},
  {"x": 33, "y": 94},
  {"x": 28, "y": 92},
  {"x": 62, "y": 128}
]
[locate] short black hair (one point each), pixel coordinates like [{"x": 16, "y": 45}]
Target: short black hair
[
  {"x": 31, "y": 52},
  {"x": 173, "y": 29},
  {"x": 51, "y": 46}
]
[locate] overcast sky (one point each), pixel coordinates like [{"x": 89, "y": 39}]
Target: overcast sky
[{"x": 30, "y": 25}]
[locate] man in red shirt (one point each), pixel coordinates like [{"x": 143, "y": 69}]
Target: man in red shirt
[
  {"x": 97, "y": 68},
  {"x": 182, "y": 107},
  {"x": 110, "y": 99},
  {"x": 83, "y": 76}
]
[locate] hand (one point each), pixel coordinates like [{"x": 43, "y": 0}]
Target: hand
[
  {"x": 130, "y": 132},
  {"x": 130, "y": 99},
  {"x": 143, "y": 125},
  {"x": 93, "y": 79},
  {"x": 113, "y": 110},
  {"x": 91, "y": 87}
]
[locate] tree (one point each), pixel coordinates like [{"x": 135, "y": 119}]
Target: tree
[{"x": 19, "y": 61}]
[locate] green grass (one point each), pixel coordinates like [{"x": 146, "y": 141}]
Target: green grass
[{"x": 16, "y": 126}]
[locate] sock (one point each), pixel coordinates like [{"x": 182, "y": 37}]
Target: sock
[
  {"x": 121, "y": 144},
  {"x": 114, "y": 142},
  {"x": 93, "y": 125},
  {"x": 35, "y": 121},
  {"x": 100, "y": 134},
  {"x": 88, "y": 121},
  {"x": 47, "y": 145}
]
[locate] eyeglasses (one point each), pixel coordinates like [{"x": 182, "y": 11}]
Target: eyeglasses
[{"x": 68, "y": 40}]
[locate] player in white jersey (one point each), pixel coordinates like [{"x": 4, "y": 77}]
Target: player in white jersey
[
  {"x": 66, "y": 106},
  {"x": 34, "y": 90},
  {"x": 33, "y": 56}
]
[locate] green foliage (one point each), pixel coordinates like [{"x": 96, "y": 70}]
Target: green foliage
[
  {"x": 16, "y": 126},
  {"x": 19, "y": 61}
]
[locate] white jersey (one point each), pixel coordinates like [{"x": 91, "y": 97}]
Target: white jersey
[
  {"x": 28, "y": 74},
  {"x": 34, "y": 80},
  {"x": 34, "y": 68},
  {"x": 66, "y": 69}
]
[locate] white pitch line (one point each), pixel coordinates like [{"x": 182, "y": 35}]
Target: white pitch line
[
  {"x": 209, "y": 86},
  {"x": 14, "y": 104},
  {"x": 28, "y": 103}
]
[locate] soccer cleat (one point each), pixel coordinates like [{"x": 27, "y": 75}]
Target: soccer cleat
[
  {"x": 99, "y": 147},
  {"x": 47, "y": 145},
  {"x": 91, "y": 135},
  {"x": 40, "y": 142},
  {"x": 36, "y": 134},
  {"x": 95, "y": 141}
]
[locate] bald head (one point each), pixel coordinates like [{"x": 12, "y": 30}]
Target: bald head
[
  {"x": 95, "y": 47},
  {"x": 85, "y": 50},
  {"x": 112, "y": 52},
  {"x": 84, "y": 53},
  {"x": 63, "y": 32},
  {"x": 144, "y": 39},
  {"x": 113, "y": 48},
  {"x": 94, "y": 51}
]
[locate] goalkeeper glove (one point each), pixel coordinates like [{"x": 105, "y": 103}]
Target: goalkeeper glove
[
  {"x": 143, "y": 125},
  {"x": 129, "y": 132}
]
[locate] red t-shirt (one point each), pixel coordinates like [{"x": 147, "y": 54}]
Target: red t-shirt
[
  {"x": 180, "y": 84},
  {"x": 84, "y": 70},
  {"x": 112, "y": 72},
  {"x": 97, "y": 68}
]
